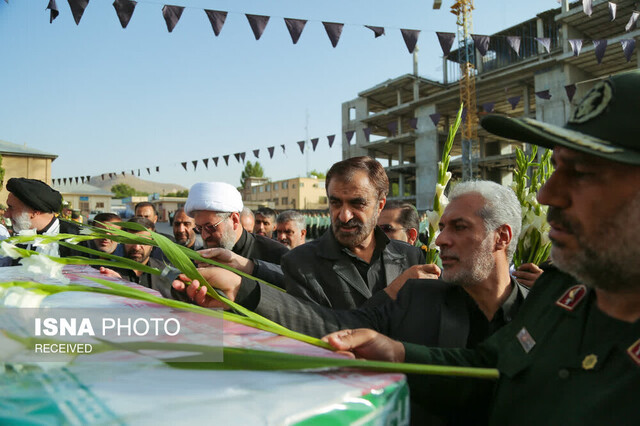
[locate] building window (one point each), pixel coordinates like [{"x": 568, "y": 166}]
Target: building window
[
  {"x": 301, "y": 184},
  {"x": 293, "y": 186},
  {"x": 293, "y": 202},
  {"x": 275, "y": 186},
  {"x": 275, "y": 201},
  {"x": 352, "y": 113},
  {"x": 253, "y": 190},
  {"x": 285, "y": 185},
  {"x": 99, "y": 205},
  {"x": 285, "y": 201},
  {"x": 267, "y": 187},
  {"x": 262, "y": 189},
  {"x": 323, "y": 200}
]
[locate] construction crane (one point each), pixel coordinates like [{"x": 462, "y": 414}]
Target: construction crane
[{"x": 466, "y": 56}]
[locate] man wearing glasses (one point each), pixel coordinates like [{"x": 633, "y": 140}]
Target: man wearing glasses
[
  {"x": 400, "y": 221},
  {"x": 216, "y": 208}
]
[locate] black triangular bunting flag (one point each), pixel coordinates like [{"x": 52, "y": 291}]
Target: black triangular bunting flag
[
  {"x": 195, "y": 164},
  {"x": 295, "y": 27},
  {"x": 271, "y": 149},
  {"x": 184, "y": 165},
  {"x": 77, "y": 9},
  {"x": 124, "y": 10},
  {"x": 334, "y": 30},
  {"x": 206, "y": 163},
  {"x": 314, "y": 143},
  {"x": 258, "y": 23},
  {"x": 216, "y": 18},
  {"x": 172, "y": 15},
  {"x": 301, "y": 146},
  {"x": 331, "y": 139}
]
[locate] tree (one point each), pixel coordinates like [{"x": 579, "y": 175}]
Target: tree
[
  {"x": 184, "y": 193},
  {"x": 122, "y": 190},
  {"x": 317, "y": 174},
  {"x": 251, "y": 170}
]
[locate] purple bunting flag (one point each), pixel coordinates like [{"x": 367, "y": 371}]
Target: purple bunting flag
[
  {"x": 132, "y": 173},
  {"x": 600, "y": 47},
  {"x": 215, "y": 160},
  {"x": 226, "y": 159},
  {"x": 82, "y": 179},
  {"x": 101, "y": 176},
  {"x": 295, "y": 27},
  {"x": 331, "y": 139},
  {"x": 148, "y": 171},
  {"x": 64, "y": 180},
  {"x": 435, "y": 118},
  {"x": 410, "y": 38},
  {"x": 334, "y": 30},
  {"x": 237, "y": 155},
  {"x": 612, "y": 10},
  {"x": 377, "y": 31},
  {"x": 314, "y": 143},
  {"x": 544, "y": 94},
  {"x": 205, "y": 161},
  {"x": 392, "y": 127},
  {"x": 545, "y": 42},
  {"x": 88, "y": 179},
  {"x": 110, "y": 175},
  {"x": 271, "y": 149},
  {"x": 283, "y": 149},
  {"x": 76, "y": 180},
  {"x": 184, "y": 165},
  {"x": 488, "y": 106},
  {"x": 367, "y": 133},
  {"x": 571, "y": 91},
  {"x": 627, "y": 47},
  {"x": 53, "y": 12},
  {"x": 172, "y": 15},
  {"x": 243, "y": 156},
  {"x": 158, "y": 169},
  {"x": 216, "y": 19},
  {"x": 123, "y": 173},
  {"x": 138, "y": 172},
  {"x": 514, "y": 42},
  {"x": 349, "y": 135},
  {"x": 587, "y": 7},
  {"x": 576, "y": 46},
  {"x": 514, "y": 101},
  {"x": 124, "y": 10},
  {"x": 258, "y": 23},
  {"x": 77, "y": 9},
  {"x": 413, "y": 123},
  {"x": 195, "y": 165},
  {"x": 256, "y": 153},
  {"x": 632, "y": 21},
  {"x": 446, "y": 41},
  {"x": 301, "y": 146},
  {"x": 481, "y": 42}
]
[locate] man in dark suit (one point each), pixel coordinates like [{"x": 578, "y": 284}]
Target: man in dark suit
[
  {"x": 476, "y": 295},
  {"x": 354, "y": 261}
]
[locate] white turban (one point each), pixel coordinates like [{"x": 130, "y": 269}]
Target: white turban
[{"x": 213, "y": 196}]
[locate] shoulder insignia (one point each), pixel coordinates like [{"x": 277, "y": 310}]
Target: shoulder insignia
[
  {"x": 634, "y": 352},
  {"x": 572, "y": 297}
]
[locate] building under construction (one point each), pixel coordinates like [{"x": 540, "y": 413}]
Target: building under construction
[{"x": 394, "y": 121}]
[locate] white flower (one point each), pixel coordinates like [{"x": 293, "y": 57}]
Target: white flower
[
  {"x": 447, "y": 178},
  {"x": 432, "y": 245},
  {"x": 21, "y": 298},
  {"x": 439, "y": 190},
  {"x": 433, "y": 218},
  {"x": 444, "y": 202},
  {"x": 9, "y": 250},
  {"x": 40, "y": 265}
]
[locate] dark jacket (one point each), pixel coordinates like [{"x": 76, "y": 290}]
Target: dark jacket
[
  {"x": 258, "y": 247},
  {"x": 561, "y": 362},
  {"x": 321, "y": 271}
]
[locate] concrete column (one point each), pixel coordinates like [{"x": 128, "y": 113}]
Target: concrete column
[
  {"x": 357, "y": 146},
  {"x": 445, "y": 70},
  {"x": 427, "y": 156},
  {"x": 540, "y": 32}
]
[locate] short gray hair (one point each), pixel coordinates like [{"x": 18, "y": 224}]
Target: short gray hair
[
  {"x": 292, "y": 216},
  {"x": 501, "y": 207},
  {"x": 246, "y": 211}
]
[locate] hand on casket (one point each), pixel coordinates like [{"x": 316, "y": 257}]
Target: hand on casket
[
  {"x": 226, "y": 281},
  {"x": 109, "y": 272},
  {"x": 367, "y": 344},
  {"x": 430, "y": 271},
  {"x": 228, "y": 258}
]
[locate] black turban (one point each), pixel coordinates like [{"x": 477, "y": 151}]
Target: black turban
[{"x": 35, "y": 194}]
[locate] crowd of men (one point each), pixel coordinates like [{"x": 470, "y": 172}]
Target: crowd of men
[{"x": 567, "y": 344}]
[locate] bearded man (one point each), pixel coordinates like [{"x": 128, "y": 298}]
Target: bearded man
[{"x": 354, "y": 261}]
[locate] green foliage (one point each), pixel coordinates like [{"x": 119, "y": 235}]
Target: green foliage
[
  {"x": 251, "y": 170},
  {"x": 184, "y": 194},
  {"x": 1, "y": 173},
  {"x": 122, "y": 190},
  {"x": 317, "y": 174}
]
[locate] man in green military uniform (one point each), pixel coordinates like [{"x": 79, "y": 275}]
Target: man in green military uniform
[{"x": 572, "y": 354}]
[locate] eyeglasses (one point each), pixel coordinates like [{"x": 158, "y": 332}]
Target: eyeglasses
[
  {"x": 390, "y": 228},
  {"x": 209, "y": 227}
]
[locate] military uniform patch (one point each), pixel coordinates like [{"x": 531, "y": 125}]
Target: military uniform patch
[
  {"x": 589, "y": 362},
  {"x": 572, "y": 297},
  {"x": 525, "y": 339},
  {"x": 634, "y": 352},
  {"x": 594, "y": 103}
]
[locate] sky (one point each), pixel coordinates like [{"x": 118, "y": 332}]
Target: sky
[{"x": 107, "y": 99}]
